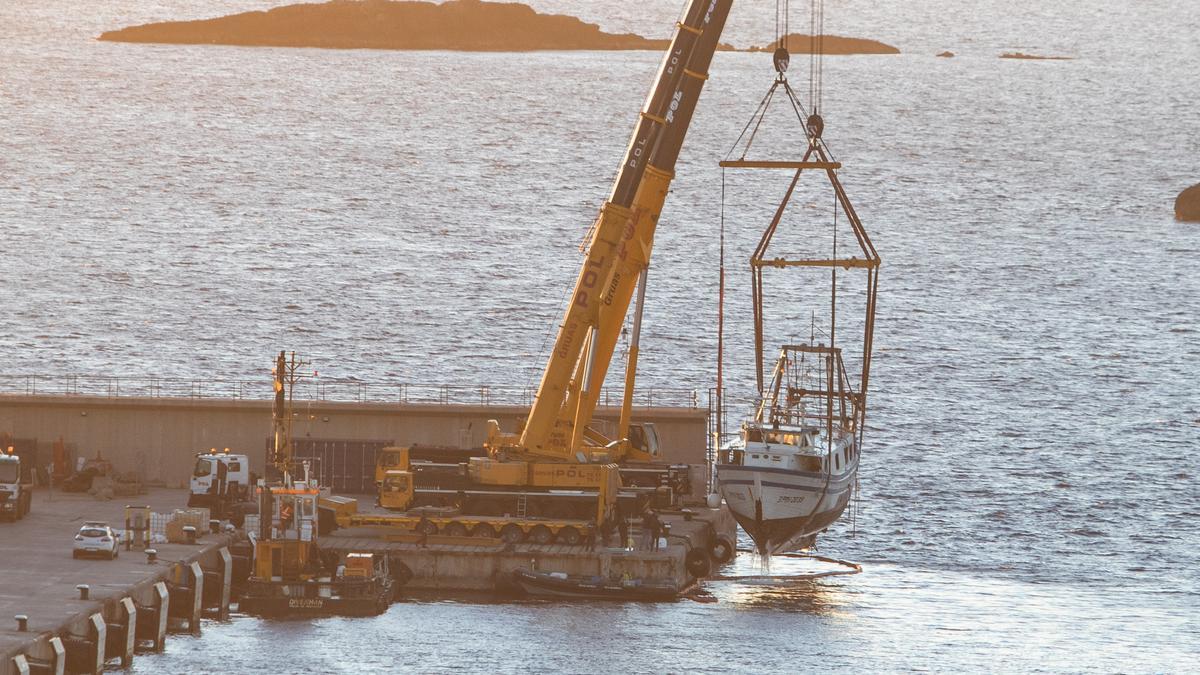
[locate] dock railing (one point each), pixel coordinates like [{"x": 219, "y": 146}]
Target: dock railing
[{"x": 348, "y": 390}]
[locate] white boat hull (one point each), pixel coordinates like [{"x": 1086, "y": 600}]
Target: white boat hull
[{"x": 784, "y": 510}]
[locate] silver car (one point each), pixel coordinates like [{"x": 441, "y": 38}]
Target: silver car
[{"x": 96, "y": 539}]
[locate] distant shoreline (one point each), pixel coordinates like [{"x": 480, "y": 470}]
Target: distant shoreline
[{"x": 456, "y": 25}]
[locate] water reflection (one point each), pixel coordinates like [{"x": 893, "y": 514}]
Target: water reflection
[{"x": 811, "y": 596}]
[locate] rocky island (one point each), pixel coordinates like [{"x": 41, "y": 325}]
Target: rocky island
[
  {"x": 1187, "y": 205},
  {"x": 800, "y": 43},
  {"x": 458, "y": 25},
  {"x": 466, "y": 25}
]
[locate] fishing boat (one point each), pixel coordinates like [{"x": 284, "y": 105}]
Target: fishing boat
[
  {"x": 792, "y": 467},
  {"x": 791, "y": 471},
  {"x": 562, "y": 585}
]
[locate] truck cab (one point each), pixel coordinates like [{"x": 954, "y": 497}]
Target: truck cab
[
  {"x": 16, "y": 486},
  {"x": 219, "y": 478},
  {"x": 396, "y": 491},
  {"x": 390, "y": 459}
]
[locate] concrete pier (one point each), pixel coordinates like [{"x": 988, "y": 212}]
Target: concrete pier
[{"x": 127, "y": 599}]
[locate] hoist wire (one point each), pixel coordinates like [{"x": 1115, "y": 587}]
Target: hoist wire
[
  {"x": 758, "y": 115},
  {"x": 816, "y": 54}
]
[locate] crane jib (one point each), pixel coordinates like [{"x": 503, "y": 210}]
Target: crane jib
[
  {"x": 620, "y": 242},
  {"x": 690, "y": 53}
]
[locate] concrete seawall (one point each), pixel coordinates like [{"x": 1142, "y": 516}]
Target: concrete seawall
[{"x": 160, "y": 436}]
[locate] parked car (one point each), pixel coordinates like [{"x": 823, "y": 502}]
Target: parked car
[{"x": 97, "y": 539}]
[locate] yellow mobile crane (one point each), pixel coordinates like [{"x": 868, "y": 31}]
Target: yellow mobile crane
[{"x": 557, "y": 447}]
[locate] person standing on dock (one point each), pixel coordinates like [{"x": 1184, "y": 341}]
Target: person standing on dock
[{"x": 650, "y": 529}]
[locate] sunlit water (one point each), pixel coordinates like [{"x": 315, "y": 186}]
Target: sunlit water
[{"x": 1028, "y": 485}]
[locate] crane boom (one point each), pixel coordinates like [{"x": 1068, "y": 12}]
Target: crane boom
[{"x": 618, "y": 249}]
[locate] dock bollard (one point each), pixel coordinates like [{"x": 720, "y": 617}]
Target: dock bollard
[
  {"x": 83, "y": 589},
  {"x": 22, "y": 623},
  {"x": 189, "y": 533},
  {"x": 214, "y": 526},
  {"x": 151, "y": 556}
]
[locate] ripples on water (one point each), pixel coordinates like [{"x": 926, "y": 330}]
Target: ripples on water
[{"x": 1029, "y": 492}]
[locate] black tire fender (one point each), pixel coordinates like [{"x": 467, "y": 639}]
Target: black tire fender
[
  {"x": 698, "y": 563},
  {"x": 722, "y": 550}
]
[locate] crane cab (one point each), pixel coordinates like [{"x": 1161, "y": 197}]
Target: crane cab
[{"x": 643, "y": 443}]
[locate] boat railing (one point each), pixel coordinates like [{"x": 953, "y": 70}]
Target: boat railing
[{"x": 807, "y": 393}]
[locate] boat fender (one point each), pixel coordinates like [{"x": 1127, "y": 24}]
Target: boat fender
[
  {"x": 401, "y": 573},
  {"x": 722, "y": 550},
  {"x": 698, "y": 563}
]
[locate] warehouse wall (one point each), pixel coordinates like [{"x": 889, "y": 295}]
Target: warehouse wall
[{"x": 160, "y": 436}]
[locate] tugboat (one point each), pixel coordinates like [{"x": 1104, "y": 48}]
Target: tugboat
[{"x": 290, "y": 579}]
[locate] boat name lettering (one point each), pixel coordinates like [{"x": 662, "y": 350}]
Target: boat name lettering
[{"x": 306, "y": 603}]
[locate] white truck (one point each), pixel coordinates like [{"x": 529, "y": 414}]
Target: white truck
[
  {"x": 16, "y": 486},
  {"x": 220, "y": 481}
]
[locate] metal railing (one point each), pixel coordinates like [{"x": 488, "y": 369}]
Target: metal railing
[{"x": 317, "y": 389}]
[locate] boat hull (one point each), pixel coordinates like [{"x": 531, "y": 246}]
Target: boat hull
[
  {"x": 541, "y": 584},
  {"x": 784, "y": 510},
  {"x": 278, "y": 599}
]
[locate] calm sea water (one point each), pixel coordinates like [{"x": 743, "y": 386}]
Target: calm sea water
[{"x": 1029, "y": 488}]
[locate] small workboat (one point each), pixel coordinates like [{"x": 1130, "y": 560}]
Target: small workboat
[
  {"x": 361, "y": 587},
  {"x": 289, "y": 578},
  {"x": 562, "y": 585}
]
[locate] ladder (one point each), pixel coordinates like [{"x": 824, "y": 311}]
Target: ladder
[{"x": 522, "y": 505}]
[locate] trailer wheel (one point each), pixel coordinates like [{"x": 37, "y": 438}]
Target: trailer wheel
[
  {"x": 427, "y": 527},
  {"x": 512, "y": 533},
  {"x": 569, "y": 536},
  {"x": 540, "y": 534},
  {"x": 455, "y": 529},
  {"x": 483, "y": 531}
]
